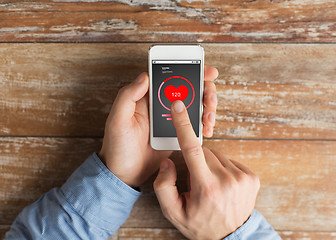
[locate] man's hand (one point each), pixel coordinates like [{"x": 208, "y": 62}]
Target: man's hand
[
  {"x": 126, "y": 149},
  {"x": 222, "y": 192}
]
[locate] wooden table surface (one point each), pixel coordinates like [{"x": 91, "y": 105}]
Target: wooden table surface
[{"x": 62, "y": 63}]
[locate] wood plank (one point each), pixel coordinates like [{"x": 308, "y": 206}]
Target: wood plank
[
  {"x": 289, "y": 235},
  {"x": 168, "y": 21},
  {"x": 264, "y": 91},
  {"x": 167, "y": 233},
  {"x": 150, "y": 234},
  {"x": 32, "y": 166},
  {"x": 159, "y": 233},
  {"x": 275, "y": 91},
  {"x": 5, "y": 228},
  {"x": 297, "y": 178}
]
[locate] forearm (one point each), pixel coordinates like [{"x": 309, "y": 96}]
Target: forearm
[
  {"x": 92, "y": 204},
  {"x": 256, "y": 227}
]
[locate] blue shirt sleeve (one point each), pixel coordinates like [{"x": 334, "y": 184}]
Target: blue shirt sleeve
[
  {"x": 256, "y": 227},
  {"x": 92, "y": 204}
]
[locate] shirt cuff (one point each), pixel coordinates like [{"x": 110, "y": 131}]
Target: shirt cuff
[
  {"x": 256, "y": 227},
  {"x": 99, "y": 196}
]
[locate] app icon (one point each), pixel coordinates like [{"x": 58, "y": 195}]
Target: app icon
[
  {"x": 179, "y": 88},
  {"x": 173, "y": 93}
]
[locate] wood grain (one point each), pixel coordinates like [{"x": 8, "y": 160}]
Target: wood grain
[
  {"x": 278, "y": 99},
  {"x": 5, "y": 228},
  {"x": 289, "y": 235},
  {"x": 174, "y": 234},
  {"x": 168, "y": 21},
  {"x": 276, "y": 91},
  {"x": 297, "y": 177},
  {"x": 32, "y": 166},
  {"x": 152, "y": 234}
]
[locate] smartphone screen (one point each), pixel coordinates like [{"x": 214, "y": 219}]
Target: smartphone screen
[{"x": 175, "y": 80}]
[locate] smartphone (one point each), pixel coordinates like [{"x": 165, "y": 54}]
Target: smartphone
[{"x": 176, "y": 72}]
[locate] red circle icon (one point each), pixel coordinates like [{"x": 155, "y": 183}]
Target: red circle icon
[{"x": 172, "y": 93}]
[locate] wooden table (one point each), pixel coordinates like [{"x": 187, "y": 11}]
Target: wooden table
[{"x": 62, "y": 63}]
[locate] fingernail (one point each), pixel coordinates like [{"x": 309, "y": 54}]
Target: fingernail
[
  {"x": 164, "y": 166},
  {"x": 212, "y": 118},
  {"x": 213, "y": 98},
  {"x": 178, "y": 106},
  {"x": 140, "y": 78}
]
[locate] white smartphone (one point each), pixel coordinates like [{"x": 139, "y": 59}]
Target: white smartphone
[{"x": 176, "y": 72}]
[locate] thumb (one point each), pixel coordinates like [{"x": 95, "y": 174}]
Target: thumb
[
  {"x": 125, "y": 102},
  {"x": 166, "y": 191}
]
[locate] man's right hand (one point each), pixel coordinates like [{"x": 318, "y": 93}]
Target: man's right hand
[{"x": 222, "y": 192}]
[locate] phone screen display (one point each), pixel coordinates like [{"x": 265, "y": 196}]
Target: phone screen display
[{"x": 175, "y": 80}]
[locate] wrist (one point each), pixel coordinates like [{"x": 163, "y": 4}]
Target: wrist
[
  {"x": 126, "y": 180},
  {"x": 250, "y": 222},
  {"x": 101, "y": 156}
]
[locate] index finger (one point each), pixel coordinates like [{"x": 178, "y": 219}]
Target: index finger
[{"x": 189, "y": 143}]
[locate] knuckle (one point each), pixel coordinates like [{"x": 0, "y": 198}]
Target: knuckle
[
  {"x": 125, "y": 90},
  {"x": 211, "y": 87},
  {"x": 194, "y": 150},
  {"x": 232, "y": 183},
  {"x": 158, "y": 185},
  {"x": 184, "y": 123},
  {"x": 122, "y": 90},
  {"x": 241, "y": 176},
  {"x": 255, "y": 180},
  {"x": 211, "y": 190}
]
